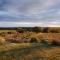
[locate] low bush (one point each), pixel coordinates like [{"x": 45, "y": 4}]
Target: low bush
[
  {"x": 55, "y": 43},
  {"x": 44, "y": 42},
  {"x": 33, "y": 40}
]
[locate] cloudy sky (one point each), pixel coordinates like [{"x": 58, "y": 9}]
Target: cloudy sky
[{"x": 29, "y": 13}]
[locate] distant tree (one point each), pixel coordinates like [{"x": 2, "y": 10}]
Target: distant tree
[
  {"x": 20, "y": 30},
  {"x": 54, "y": 31},
  {"x": 37, "y": 29},
  {"x": 45, "y": 30}
]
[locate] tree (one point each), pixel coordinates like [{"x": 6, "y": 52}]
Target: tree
[
  {"x": 36, "y": 29},
  {"x": 20, "y": 30},
  {"x": 54, "y": 31},
  {"x": 45, "y": 30}
]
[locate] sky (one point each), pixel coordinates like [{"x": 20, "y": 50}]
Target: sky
[{"x": 26, "y": 13}]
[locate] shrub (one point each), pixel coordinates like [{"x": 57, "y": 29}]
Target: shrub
[
  {"x": 36, "y": 29},
  {"x": 9, "y": 32},
  {"x": 56, "y": 43},
  {"x": 33, "y": 40},
  {"x": 20, "y": 30},
  {"x": 54, "y": 31},
  {"x": 45, "y": 30},
  {"x": 44, "y": 41}
]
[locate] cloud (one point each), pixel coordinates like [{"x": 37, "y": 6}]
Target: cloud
[{"x": 35, "y": 11}]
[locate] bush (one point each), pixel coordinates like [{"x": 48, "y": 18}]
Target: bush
[
  {"x": 9, "y": 32},
  {"x": 54, "y": 31},
  {"x": 20, "y": 30},
  {"x": 44, "y": 41},
  {"x": 56, "y": 43},
  {"x": 37, "y": 29},
  {"x": 45, "y": 30},
  {"x": 33, "y": 40}
]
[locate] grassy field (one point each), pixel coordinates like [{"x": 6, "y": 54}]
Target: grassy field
[{"x": 29, "y": 51}]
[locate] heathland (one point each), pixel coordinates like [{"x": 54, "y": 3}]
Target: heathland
[{"x": 30, "y": 43}]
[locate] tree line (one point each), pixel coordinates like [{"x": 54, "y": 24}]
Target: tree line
[{"x": 39, "y": 29}]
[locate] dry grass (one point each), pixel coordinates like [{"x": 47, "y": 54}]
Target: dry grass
[
  {"x": 49, "y": 36},
  {"x": 42, "y": 36},
  {"x": 38, "y": 36},
  {"x": 7, "y": 30},
  {"x": 27, "y": 51}
]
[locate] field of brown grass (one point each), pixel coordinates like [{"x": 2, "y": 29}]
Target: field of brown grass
[
  {"x": 28, "y": 51},
  {"x": 49, "y": 36},
  {"x": 19, "y": 46}
]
